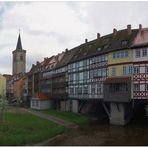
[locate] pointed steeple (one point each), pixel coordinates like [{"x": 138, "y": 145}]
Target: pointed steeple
[{"x": 19, "y": 43}]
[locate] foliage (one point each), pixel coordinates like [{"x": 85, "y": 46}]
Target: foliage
[
  {"x": 27, "y": 129},
  {"x": 69, "y": 116},
  {"x": 18, "y": 101},
  {"x": 3, "y": 107}
]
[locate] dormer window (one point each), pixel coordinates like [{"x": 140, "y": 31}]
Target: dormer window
[
  {"x": 106, "y": 46},
  {"x": 124, "y": 42},
  {"x": 98, "y": 49}
]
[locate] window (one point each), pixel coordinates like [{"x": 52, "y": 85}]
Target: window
[
  {"x": 77, "y": 77},
  {"x": 106, "y": 46},
  {"x": 99, "y": 72},
  {"x": 99, "y": 49},
  {"x": 81, "y": 76},
  {"x": 130, "y": 69},
  {"x": 71, "y": 77},
  {"x": 124, "y": 70},
  {"x": 136, "y": 87},
  {"x": 99, "y": 88},
  {"x": 80, "y": 90},
  {"x": 95, "y": 73},
  {"x": 113, "y": 71},
  {"x": 104, "y": 72},
  {"x": 118, "y": 54},
  {"x": 124, "y": 42},
  {"x": 144, "y": 52},
  {"x": 85, "y": 75},
  {"x": 122, "y": 54},
  {"x": 146, "y": 87},
  {"x": 93, "y": 89},
  {"x": 136, "y": 70},
  {"x": 114, "y": 55},
  {"x": 71, "y": 91},
  {"x": 32, "y": 102},
  {"x": 37, "y": 103},
  {"x": 146, "y": 69},
  {"x": 126, "y": 54},
  {"x": 137, "y": 53},
  {"x": 85, "y": 89},
  {"x": 21, "y": 57},
  {"x": 118, "y": 87}
]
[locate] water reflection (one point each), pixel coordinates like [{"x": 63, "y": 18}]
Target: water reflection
[{"x": 102, "y": 134}]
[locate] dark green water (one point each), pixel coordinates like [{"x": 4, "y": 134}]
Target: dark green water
[{"x": 102, "y": 134}]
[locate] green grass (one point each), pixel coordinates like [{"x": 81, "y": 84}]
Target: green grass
[
  {"x": 68, "y": 116},
  {"x": 25, "y": 129}
]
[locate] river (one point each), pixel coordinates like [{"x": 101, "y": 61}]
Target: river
[{"x": 100, "y": 133}]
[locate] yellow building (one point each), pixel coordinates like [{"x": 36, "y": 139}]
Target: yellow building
[
  {"x": 2, "y": 85},
  {"x": 120, "y": 63}
]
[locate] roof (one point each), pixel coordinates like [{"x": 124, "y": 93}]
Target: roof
[
  {"x": 19, "y": 43},
  {"x": 105, "y": 44},
  {"x": 41, "y": 96},
  {"x": 68, "y": 55},
  {"x": 7, "y": 76}
]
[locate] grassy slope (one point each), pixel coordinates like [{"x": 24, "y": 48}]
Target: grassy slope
[
  {"x": 25, "y": 129},
  {"x": 68, "y": 116}
]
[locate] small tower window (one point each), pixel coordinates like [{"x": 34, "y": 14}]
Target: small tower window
[{"x": 21, "y": 57}]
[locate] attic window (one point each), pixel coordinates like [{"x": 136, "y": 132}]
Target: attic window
[
  {"x": 106, "y": 46},
  {"x": 98, "y": 49},
  {"x": 124, "y": 42}
]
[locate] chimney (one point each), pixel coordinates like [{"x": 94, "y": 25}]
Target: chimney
[
  {"x": 98, "y": 36},
  {"x": 86, "y": 41},
  {"x": 66, "y": 49},
  {"x": 129, "y": 29},
  {"x": 140, "y": 27},
  {"x": 114, "y": 32}
]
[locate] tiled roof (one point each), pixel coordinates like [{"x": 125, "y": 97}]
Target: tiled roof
[
  {"x": 68, "y": 55},
  {"x": 41, "y": 96},
  {"x": 105, "y": 44}
]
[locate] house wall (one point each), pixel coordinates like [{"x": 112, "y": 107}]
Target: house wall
[
  {"x": 112, "y": 60},
  {"x": 119, "y": 70},
  {"x": 2, "y": 85},
  {"x": 37, "y": 104}
]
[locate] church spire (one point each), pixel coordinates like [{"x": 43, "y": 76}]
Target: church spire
[{"x": 19, "y": 43}]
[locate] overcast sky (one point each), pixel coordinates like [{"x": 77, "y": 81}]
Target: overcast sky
[{"x": 48, "y": 28}]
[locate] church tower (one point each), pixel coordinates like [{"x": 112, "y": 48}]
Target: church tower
[{"x": 19, "y": 58}]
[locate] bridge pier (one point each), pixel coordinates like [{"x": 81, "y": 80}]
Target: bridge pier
[
  {"x": 120, "y": 113},
  {"x": 75, "y": 106}
]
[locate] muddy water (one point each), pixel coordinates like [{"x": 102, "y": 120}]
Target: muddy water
[{"x": 102, "y": 134}]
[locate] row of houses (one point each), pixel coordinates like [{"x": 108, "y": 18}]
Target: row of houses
[{"x": 112, "y": 69}]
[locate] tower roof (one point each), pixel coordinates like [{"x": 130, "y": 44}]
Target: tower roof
[{"x": 19, "y": 43}]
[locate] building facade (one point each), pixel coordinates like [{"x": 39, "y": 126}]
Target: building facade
[
  {"x": 2, "y": 85},
  {"x": 110, "y": 70}
]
